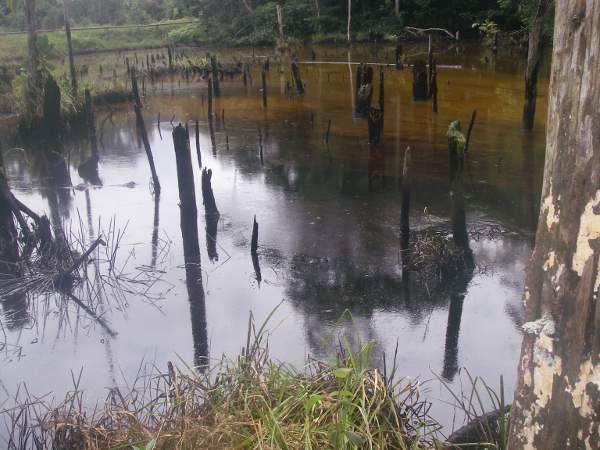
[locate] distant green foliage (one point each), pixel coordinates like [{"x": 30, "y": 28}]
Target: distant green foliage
[
  {"x": 188, "y": 34},
  {"x": 86, "y": 12},
  {"x": 255, "y": 22}
]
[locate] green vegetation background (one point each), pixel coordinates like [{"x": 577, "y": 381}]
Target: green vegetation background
[{"x": 253, "y": 22}]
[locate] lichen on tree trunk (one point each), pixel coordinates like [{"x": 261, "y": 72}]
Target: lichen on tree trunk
[{"x": 557, "y": 402}]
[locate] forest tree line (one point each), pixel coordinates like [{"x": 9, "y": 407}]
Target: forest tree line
[{"x": 254, "y": 21}]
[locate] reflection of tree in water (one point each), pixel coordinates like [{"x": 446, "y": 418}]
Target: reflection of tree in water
[{"x": 193, "y": 277}]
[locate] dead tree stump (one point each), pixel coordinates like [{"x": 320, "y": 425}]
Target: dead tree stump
[
  {"x": 364, "y": 92},
  {"x": 297, "y": 78},
  {"x": 375, "y": 123},
  {"x": 420, "y": 81},
  {"x": 187, "y": 192}
]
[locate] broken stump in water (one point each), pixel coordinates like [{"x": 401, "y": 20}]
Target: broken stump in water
[
  {"x": 51, "y": 107},
  {"x": 398, "y": 56},
  {"x": 297, "y": 78},
  {"x": 210, "y": 205},
  {"x": 215, "y": 76},
  {"x": 254, "y": 242},
  {"x": 264, "y": 85},
  {"x": 187, "y": 192},
  {"x": 420, "y": 85},
  {"x": 375, "y": 122},
  {"x": 141, "y": 125},
  {"x": 471, "y": 125},
  {"x": 434, "y": 87},
  {"x": 456, "y": 147},
  {"x": 364, "y": 89},
  {"x": 198, "y": 154}
]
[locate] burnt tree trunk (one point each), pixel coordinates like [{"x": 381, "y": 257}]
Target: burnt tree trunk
[
  {"x": 187, "y": 193},
  {"x": 137, "y": 107},
  {"x": 420, "y": 85},
  {"x": 72, "y": 70},
  {"x": 263, "y": 75},
  {"x": 9, "y": 246},
  {"x": 51, "y": 108},
  {"x": 33, "y": 84},
  {"x": 297, "y": 78},
  {"x": 375, "y": 123},
  {"x": 364, "y": 89},
  {"x": 405, "y": 211},
  {"x": 191, "y": 248},
  {"x": 534, "y": 59},
  {"x": 557, "y": 401},
  {"x": 215, "y": 76}
]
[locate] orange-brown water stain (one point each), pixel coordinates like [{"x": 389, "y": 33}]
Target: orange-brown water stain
[{"x": 502, "y": 157}]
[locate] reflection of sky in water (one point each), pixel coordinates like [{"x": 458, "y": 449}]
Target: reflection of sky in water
[{"x": 326, "y": 243}]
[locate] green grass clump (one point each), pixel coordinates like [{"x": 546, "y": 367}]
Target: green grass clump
[{"x": 251, "y": 402}]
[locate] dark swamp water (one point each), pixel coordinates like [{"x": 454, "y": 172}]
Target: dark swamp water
[{"x": 329, "y": 239}]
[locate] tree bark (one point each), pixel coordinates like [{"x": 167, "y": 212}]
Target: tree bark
[
  {"x": 534, "y": 59},
  {"x": 557, "y": 401},
  {"x": 70, "y": 47},
  {"x": 349, "y": 17},
  {"x": 33, "y": 85},
  {"x": 279, "y": 10}
]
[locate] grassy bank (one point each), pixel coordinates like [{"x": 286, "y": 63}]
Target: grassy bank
[
  {"x": 251, "y": 402},
  {"x": 13, "y": 47}
]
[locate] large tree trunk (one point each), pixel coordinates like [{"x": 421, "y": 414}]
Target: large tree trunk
[
  {"x": 557, "y": 402},
  {"x": 534, "y": 59},
  {"x": 33, "y": 87},
  {"x": 70, "y": 47}
]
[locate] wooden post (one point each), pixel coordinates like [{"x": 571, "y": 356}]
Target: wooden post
[
  {"x": 215, "y": 76},
  {"x": 381, "y": 91},
  {"x": 297, "y": 78},
  {"x": 210, "y": 205},
  {"x": 70, "y": 47},
  {"x": 51, "y": 122},
  {"x": 434, "y": 87},
  {"x": 534, "y": 60},
  {"x": 471, "y": 125},
  {"x": 187, "y": 192},
  {"x": 191, "y": 249},
  {"x": 210, "y": 99},
  {"x": 375, "y": 124},
  {"x": 91, "y": 123},
  {"x": 328, "y": 131},
  {"x": 420, "y": 85},
  {"x": 364, "y": 77},
  {"x": 429, "y": 66},
  {"x": 199, "y": 155},
  {"x": 456, "y": 148},
  {"x": 254, "y": 243},
  {"x": 264, "y": 87},
  {"x": 260, "y": 146},
  {"x": 405, "y": 211}
]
